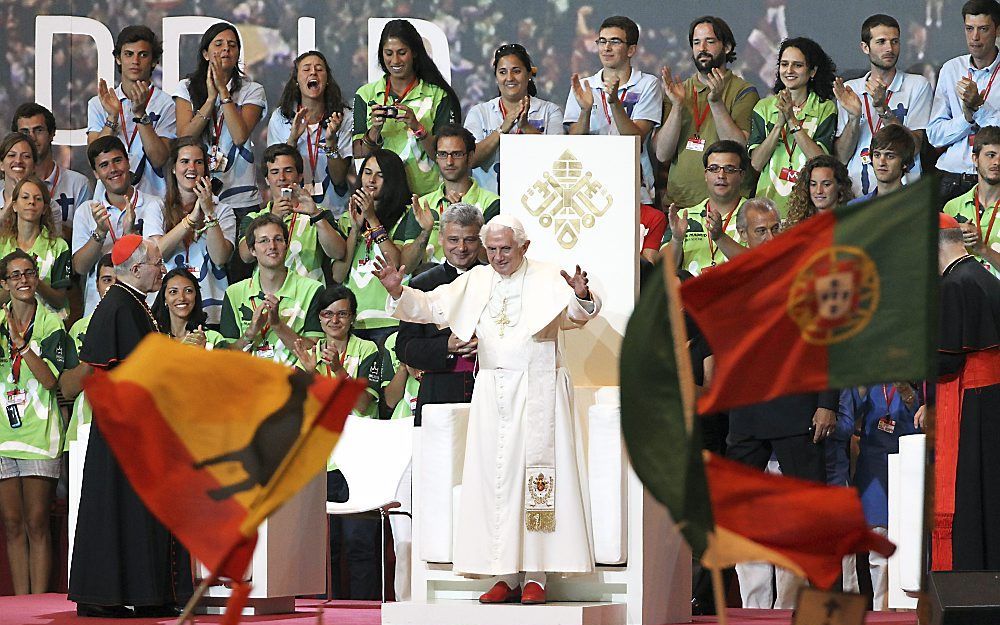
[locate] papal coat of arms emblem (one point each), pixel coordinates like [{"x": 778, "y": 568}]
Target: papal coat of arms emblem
[
  {"x": 834, "y": 295},
  {"x": 567, "y": 199}
]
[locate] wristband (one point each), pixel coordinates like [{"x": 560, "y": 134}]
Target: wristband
[
  {"x": 98, "y": 238},
  {"x": 198, "y": 113},
  {"x": 225, "y": 101},
  {"x": 112, "y": 124},
  {"x": 318, "y": 217},
  {"x": 333, "y": 152},
  {"x": 420, "y": 133}
]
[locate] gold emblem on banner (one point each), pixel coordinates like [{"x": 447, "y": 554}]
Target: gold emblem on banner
[
  {"x": 834, "y": 295},
  {"x": 567, "y": 199},
  {"x": 540, "y": 510}
]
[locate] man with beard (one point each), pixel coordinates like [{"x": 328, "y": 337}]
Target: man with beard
[
  {"x": 713, "y": 104},
  {"x": 880, "y": 98},
  {"x": 976, "y": 210},
  {"x": 67, "y": 188}
]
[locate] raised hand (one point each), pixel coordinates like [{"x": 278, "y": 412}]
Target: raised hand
[
  {"x": 102, "y": 219},
  {"x": 330, "y": 355},
  {"x": 218, "y": 76},
  {"x": 968, "y": 93},
  {"x": 109, "y": 99},
  {"x": 333, "y": 123},
  {"x": 677, "y": 219},
  {"x": 303, "y": 351},
  {"x": 271, "y": 308},
  {"x": 878, "y": 90},
  {"x": 673, "y": 89},
  {"x": 137, "y": 93},
  {"x": 847, "y": 98},
  {"x": 511, "y": 118},
  {"x": 203, "y": 189},
  {"x": 715, "y": 80},
  {"x": 195, "y": 337},
  {"x": 611, "y": 88},
  {"x": 306, "y": 205},
  {"x": 423, "y": 214},
  {"x": 356, "y": 209},
  {"x": 713, "y": 223},
  {"x": 390, "y": 277},
  {"x": 211, "y": 91},
  {"x": 785, "y": 106},
  {"x": 299, "y": 125},
  {"x": 582, "y": 92},
  {"x": 578, "y": 281}
]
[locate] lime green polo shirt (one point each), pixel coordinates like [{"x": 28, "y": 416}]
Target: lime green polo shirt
[
  {"x": 963, "y": 208},
  {"x": 361, "y": 279},
  {"x": 433, "y": 107},
  {"x": 819, "y": 120},
  {"x": 40, "y": 433},
  {"x": 408, "y": 403},
  {"x": 686, "y": 183},
  {"x": 298, "y": 307},
  {"x": 55, "y": 262},
  {"x": 305, "y": 255},
  {"x": 699, "y": 251},
  {"x": 484, "y": 199}
]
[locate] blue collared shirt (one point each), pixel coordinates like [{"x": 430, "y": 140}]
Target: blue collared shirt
[{"x": 948, "y": 126}]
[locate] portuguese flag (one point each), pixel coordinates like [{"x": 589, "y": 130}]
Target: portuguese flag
[
  {"x": 845, "y": 298},
  {"x": 728, "y": 513},
  {"x": 214, "y": 441}
]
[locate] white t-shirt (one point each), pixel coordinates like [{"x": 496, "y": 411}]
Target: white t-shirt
[
  {"x": 148, "y": 208},
  {"x": 164, "y": 117},
  {"x": 910, "y": 101},
  {"x": 239, "y": 180},
  {"x": 212, "y": 279},
  {"x": 68, "y": 189},
  {"x": 643, "y": 99},
  {"x": 278, "y": 131},
  {"x": 485, "y": 118}
]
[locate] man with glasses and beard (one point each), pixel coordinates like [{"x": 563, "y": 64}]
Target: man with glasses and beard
[
  {"x": 712, "y": 104},
  {"x": 880, "y": 98}
]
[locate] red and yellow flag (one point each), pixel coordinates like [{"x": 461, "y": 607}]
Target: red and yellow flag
[{"x": 214, "y": 441}]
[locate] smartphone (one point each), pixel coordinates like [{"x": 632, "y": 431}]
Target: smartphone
[
  {"x": 391, "y": 112},
  {"x": 286, "y": 192}
]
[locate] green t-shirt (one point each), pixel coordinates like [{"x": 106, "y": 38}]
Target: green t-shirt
[
  {"x": 298, "y": 307},
  {"x": 484, "y": 199},
  {"x": 699, "y": 251},
  {"x": 38, "y": 434},
  {"x": 305, "y": 255},
  {"x": 963, "y": 208},
  {"x": 819, "y": 121},
  {"x": 362, "y": 282},
  {"x": 55, "y": 262},
  {"x": 433, "y": 108},
  {"x": 406, "y": 406},
  {"x": 81, "y": 414},
  {"x": 686, "y": 183}
]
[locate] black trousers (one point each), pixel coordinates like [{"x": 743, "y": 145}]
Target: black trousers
[
  {"x": 954, "y": 185},
  {"x": 355, "y": 541},
  {"x": 797, "y": 455}
]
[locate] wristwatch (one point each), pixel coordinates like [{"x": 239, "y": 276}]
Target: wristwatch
[
  {"x": 226, "y": 101},
  {"x": 144, "y": 120},
  {"x": 318, "y": 217},
  {"x": 111, "y": 123}
]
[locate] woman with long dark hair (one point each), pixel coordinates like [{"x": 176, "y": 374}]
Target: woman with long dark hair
[
  {"x": 197, "y": 231},
  {"x": 823, "y": 184},
  {"x": 516, "y": 109},
  {"x": 375, "y": 209},
  {"x": 314, "y": 118},
  {"x": 402, "y": 111},
  {"x": 216, "y": 103},
  {"x": 795, "y": 124},
  {"x": 179, "y": 312}
]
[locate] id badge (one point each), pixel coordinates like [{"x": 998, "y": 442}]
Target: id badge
[
  {"x": 695, "y": 144},
  {"x": 13, "y": 415},
  {"x": 413, "y": 404},
  {"x": 865, "y": 157},
  {"x": 216, "y": 159},
  {"x": 17, "y": 397},
  {"x": 264, "y": 350},
  {"x": 316, "y": 190},
  {"x": 789, "y": 175},
  {"x": 887, "y": 425}
]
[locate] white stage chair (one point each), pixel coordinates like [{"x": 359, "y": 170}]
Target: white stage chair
[{"x": 373, "y": 455}]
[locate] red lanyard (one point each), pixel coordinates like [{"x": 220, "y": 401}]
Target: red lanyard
[
  {"x": 503, "y": 116},
  {"x": 16, "y": 356},
  {"x": 55, "y": 181},
  {"x": 217, "y": 126},
  {"x": 868, "y": 111},
  {"x": 135, "y": 130},
  {"x": 132, "y": 204},
  {"x": 993, "y": 217},
  {"x": 311, "y": 151},
  {"x": 889, "y": 393},
  {"x": 267, "y": 326},
  {"x": 989, "y": 85},
  {"x": 402, "y": 96},
  {"x": 725, "y": 224},
  {"x": 784, "y": 131},
  {"x": 699, "y": 118},
  {"x": 604, "y": 101}
]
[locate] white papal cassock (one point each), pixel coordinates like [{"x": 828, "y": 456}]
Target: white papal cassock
[{"x": 522, "y": 409}]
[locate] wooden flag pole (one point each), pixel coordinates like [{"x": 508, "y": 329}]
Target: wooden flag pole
[
  {"x": 720, "y": 596},
  {"x": 195, "y": 598}
]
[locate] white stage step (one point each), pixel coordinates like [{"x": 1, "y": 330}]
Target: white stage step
[{"x": 463, "y": 612}]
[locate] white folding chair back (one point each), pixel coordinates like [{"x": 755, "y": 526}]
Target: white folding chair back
[{"x": 372, "y": 454}]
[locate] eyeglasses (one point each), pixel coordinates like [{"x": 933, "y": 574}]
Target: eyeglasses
[
  {"x": 614, "y": 42},
  {"x": 14, "y": 276},
  {"x": 330, "y": 314},
  {"x": 278, "y": 240},
  {"x": 457, "y": 154},
  {"x": 729, "y": 169}
]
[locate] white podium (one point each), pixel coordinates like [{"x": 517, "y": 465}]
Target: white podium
[
  {"x": 291, "y": 543},
  {"x": 906, "y": 520},
  {"x": 578, "y": 200}
]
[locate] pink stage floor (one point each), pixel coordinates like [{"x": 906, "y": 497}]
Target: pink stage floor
[{"x": 54, "y": 609}]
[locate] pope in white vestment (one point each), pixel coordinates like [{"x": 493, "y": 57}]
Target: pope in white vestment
[{"x": 523, "y": 506}]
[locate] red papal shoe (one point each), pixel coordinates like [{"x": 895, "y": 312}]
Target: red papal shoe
[
  {"x": 501, "y": 593},
  {"x": 533, "y": 593}
]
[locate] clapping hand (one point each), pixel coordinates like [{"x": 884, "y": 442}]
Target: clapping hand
[
  {"x": 578, "y": 281},
  {"x": 677, "y": 219},
  {"x": 109, "y": 99},
  {"x": 968, "y": 93},
  {"x": 137, "y": 93},
  {"x": 784, "y": 105},
  {"x": 299, "y": 125},
  {"x": 423, "y": 214},
  {"x": 195, "y": 337},
  {"x": 713, "y": 223},
  {"x": 879, "y": 91},
  {"x": 303, "y": 351},
  {"x": 715, "y": 80},
  {"x": 611, "y": 89},
  {"x": 333, "y": 123},
  {"x": 582, "y": 92},
  {"x": 847, "y": 98},
  {"x": 203, "y": 189},
  {"x": 673, "y": 89}
]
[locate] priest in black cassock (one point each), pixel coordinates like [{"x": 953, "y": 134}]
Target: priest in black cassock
[
  {"x": 123, "y": 556},
  {"x": 446, "y": 361},
  {"x": 966, "y": 533}
]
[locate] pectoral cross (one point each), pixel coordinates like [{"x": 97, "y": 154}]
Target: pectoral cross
[{"x": 502, "y": 320}]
